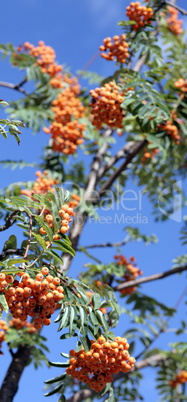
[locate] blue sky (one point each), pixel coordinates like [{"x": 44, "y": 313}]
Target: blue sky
[{"x": 75, "y": 30}]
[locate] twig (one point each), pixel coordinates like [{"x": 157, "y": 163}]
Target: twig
[
  {"x": 117, "y": 244},
  {"x": 10, "y": 251},
  {"x": 9, "y": 221},
  {"x": 135, "y": 150},
  {"x": 112, "y": 161},
  {"x": 29, "y": 237},
  {"x": 150, "y": 278},
  {"x": 181, "y": 10},
  {"x": 13, "y": 86}
]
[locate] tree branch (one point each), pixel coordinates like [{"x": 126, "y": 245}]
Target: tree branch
[
  {"x": 10, "y": 383},
  {"x": 112, "y": 161},
  {"x": 135, "y": 150},
  {"x": 181, "y": 10},
  {"x": 9, "y": 221},
  {"x": 16, "y": 87},
  {"x": 10, "y": 251},
  {"x": 117, "y": 244},
  {"x": 150, "y": 278}
]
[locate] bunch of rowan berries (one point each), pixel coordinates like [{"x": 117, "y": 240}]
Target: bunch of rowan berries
[
  {"x": 131, "y": 271},
  {"x": 66, "y": 214},
  {"x": 95, "y": 367},
  {"x": 106, "y": 106},
  {"x": 45, "y": 59},
  {"x": 66, "y": 130},
  {"x": 18, "y": 324},
  {"x": 181, "y": 84},
  {"x": 173, "y": 24},
  {"x": 180, "y": 378},
  {"x": 117, "y": 48},
  {"x": 149, "y": 154},
  {"x": 140, "y": 14},
  {"x": 42, "y": 185},
  {"x": 171, "y": 130},
  {"x": 37, "y": 298}
]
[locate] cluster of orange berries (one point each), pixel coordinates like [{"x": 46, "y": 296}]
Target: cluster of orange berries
[
  {"x": 181, "y": 84},
  {"x": 117, "y": 48},
  {"x": 66, "y": 213},
  {"x": 149, "y": 155},
  {"x": 3, "y": 329},
  {"x": 66, "y": 130},
  {"x": 45, "y": 59},
  {"x": 37, "y": 298},
  {"x": 106, "y": 106},
  {"x": 173, "y": 24},
  {"x": 140, "y": 14},
  {"x": 95, "y": 367},
  {"x": 180, "y": 378},
  {"x": 131, "y": 271},
  {"x": 42, "y": 185},
  {"x": 171, "y": 130},
  {"x": 18, "y": 324}
]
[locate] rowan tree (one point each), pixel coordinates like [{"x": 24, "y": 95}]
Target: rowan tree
[{"x": 128, "y": 127}]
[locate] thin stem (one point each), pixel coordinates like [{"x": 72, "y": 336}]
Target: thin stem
[
  {"x": 29, "y": 237},
  {"x": 16, "y": 87},
  {"x": 117, "y": 244}
]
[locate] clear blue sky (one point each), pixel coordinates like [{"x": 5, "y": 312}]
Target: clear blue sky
[{"x": 75, "y": 30}]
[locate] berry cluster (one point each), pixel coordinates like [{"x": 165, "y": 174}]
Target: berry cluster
[
  {"x": 66, "y": 213},
  {"x": 131, "y": 271},
  {"x": 43, "y": 184},
  {"x": 45, "y": 59},
  {"x": 95, "y": 367},
  {"x": 117, "y": 48},
  {"x": 18, "y": 324},
  {"x": 180, "y": 378},
  {"x": 3, "y": 329},
  {"x": 37, "y": 298},
  {"x": 171, "y": 130},
  {"x": 66, "y": 130},
  {"x": 106, "y": 106},
  {"x": 149, "y": 155},
  {"x": 140, "y": 14},
  {"x": 181, "y": 84},
  {"x": 173, "y": 24}
]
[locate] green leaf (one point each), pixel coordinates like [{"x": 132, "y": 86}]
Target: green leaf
[
  {"x": 40, "y": 240},
  {"x": 59, "y": 364},
  {"x": 56, "y": 379},
  {"x": 3, "y": 302},
  {"x": 54, "y": 391}
]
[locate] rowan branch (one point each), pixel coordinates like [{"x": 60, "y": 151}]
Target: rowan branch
[
  {"x": 135, "y": 150},
  {"x": 11, "y": 251},
  {"x": 103, "y": 245},
  {"x": 9, "y": 221},
  {"x": 150, "y": 278},
  {"x": 112, "y": 161},
  {"x": 181, "y": 10},
  {"x": 16, "y": 87}
]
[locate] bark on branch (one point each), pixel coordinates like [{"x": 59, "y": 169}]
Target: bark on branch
[
  {"x": 150, "y": 278},
  {"x": 10, "y": 384}
]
